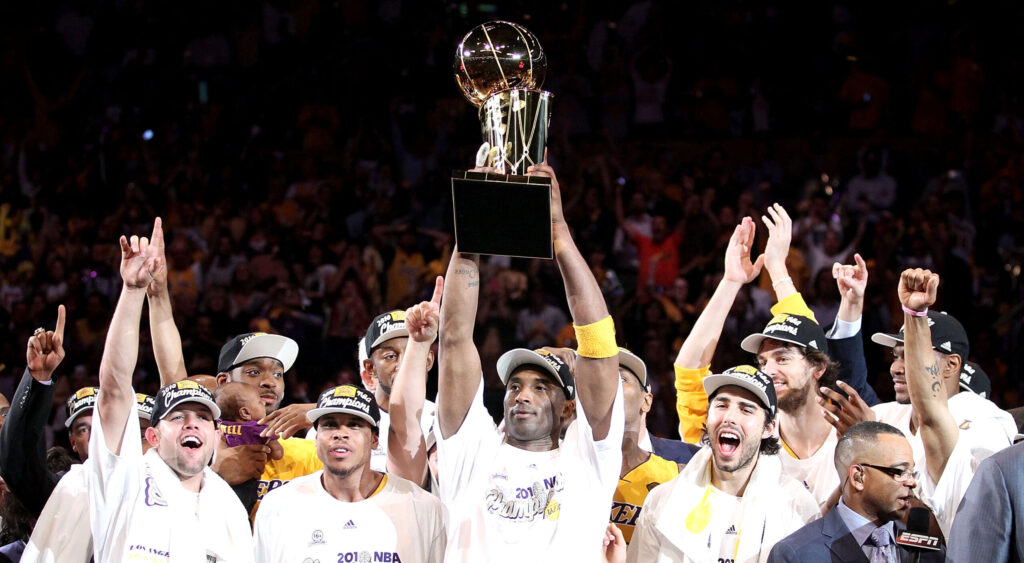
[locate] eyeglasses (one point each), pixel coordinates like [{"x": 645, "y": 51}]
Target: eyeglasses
[{"x": 898, "y": 475}]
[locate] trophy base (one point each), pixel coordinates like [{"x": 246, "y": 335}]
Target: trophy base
[{"x": 502, "y": 214}]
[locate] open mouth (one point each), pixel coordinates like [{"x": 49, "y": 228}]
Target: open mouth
[
  {"x": 728, "y": 442},
  {"x": 191, "y": 442},
  {"x": 340, "y": 451}
]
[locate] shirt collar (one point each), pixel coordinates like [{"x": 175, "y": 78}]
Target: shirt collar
[{"x": 859, "y": 526}]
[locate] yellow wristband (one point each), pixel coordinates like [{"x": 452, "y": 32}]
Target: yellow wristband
[{"x": 596, "y": 340}]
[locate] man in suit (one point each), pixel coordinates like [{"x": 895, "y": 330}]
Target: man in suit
[
  {"x": 876, "y": 467},
  {"x": 989, "y": 524}
]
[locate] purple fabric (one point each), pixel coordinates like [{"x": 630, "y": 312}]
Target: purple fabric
[{"x": 242, "y": 433}]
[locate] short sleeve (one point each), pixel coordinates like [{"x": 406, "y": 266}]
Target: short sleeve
[
  {"x": 475, "y": 442},
  {"x": 112, "y": 476}
]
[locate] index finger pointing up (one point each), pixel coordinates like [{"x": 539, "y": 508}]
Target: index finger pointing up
[
  {"x": 438, "y": 290},
  {"x": 59, "y": 331}
]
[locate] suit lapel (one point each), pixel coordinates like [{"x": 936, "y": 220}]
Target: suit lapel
[{"x": 842, "y": 545}]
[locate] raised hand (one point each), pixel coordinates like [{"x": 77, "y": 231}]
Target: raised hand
[
  {"x": 780, "y": 235},
  {"x": 542, "y": 169},
  {"x": 45, "y": 349},
  {"x": 423, "y": 319},
  {"x": 738, "y": 267},
  {"x": 851, "y": 280},
  {"x": 918, "y": 289},
  {"x": 156, "y": 246},
  {"x": 139, "y": 262}
]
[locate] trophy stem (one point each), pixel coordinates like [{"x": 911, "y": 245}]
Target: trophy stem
[{"x": 516, "y": 122}]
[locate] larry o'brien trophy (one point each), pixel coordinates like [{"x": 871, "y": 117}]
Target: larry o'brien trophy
[{"x": 500, "y": 67}]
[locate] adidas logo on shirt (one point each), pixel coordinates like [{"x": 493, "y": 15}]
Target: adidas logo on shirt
[
  {"x": 731, "y": 530},
  {"x": 350, "y": 525}
]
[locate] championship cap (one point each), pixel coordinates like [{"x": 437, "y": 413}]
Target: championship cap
[
  {"x": 975, "y": 380},
  {"x": 747, "y": 377},
  {"x": 80, "y": 403},
  {"x": 252, "y": 345},
  {"x": 794, "y": 329},
  {"x": 948, "y": 335},
  {"x": 169, "y": 397},
  {"x": 633, "y": 363},
  {"x": 551, "y": 364},
  {"x": 145, "y": 404},
  {"x": 384, "y": 327},
  {"x": 347, "y": 399}
]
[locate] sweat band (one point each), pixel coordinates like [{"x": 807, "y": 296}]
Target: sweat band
[
  {"x": 914, "y": 313},
  {"x": 596, "y": 340}
]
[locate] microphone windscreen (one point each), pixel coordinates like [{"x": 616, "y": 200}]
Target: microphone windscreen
[{"x": 918, "y": 520}]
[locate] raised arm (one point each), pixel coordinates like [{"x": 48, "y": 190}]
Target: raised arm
[
  {"x": 170, "y": 361},
  {"x": 700, "y": 344},
  {"x": 407, "y": 448},
  {"x": 459, "y": 371},
  {"x": 596, "y": 378},
  {"x": 927, "y": 390},
  {"x": 23, "y": 440},
  {"x": 845, "y": 342},
  {"x": 138, "y": 263},
  {"x": 780, "y": 235},
  {"x": 699, "y": 347}
]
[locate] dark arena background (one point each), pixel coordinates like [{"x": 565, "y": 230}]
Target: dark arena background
[{"x": 300, "y": 154}]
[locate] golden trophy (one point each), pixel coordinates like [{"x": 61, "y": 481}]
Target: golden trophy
[{"x": 500, "y": 66}]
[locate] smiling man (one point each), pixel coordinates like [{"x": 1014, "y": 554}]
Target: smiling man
[
  {"x": 134, "y": 496},
  {"x": 523, "y": 493},
  {"x": 348, "y": 511},
  {"x": 732, "y": 502}
]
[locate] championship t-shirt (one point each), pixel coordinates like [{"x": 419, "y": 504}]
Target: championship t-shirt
[
  {"x": 379, "y": 456},
  {"x": 505, "y": 503},
  {"x": 140, "y": 512},
  {"x": 718, "y": 515},
  {"x": 61, "y": 534},
  {"x": 984, "y": 430},
  {"x": 632, "y": 489},
  {"x": 302, "y": 522},
  {"x": 817, "y": 472},
  {"x": 299, "y": 459}
]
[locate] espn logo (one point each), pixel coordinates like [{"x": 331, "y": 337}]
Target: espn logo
[{"x": 919, "y": 541}]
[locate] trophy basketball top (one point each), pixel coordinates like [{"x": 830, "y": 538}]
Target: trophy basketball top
[{"x": 497, "y": 56}]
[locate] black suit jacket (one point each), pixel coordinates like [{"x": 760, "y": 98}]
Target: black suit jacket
[
  {"x": 828, "y": 540},
  {"x": 23, "y": 445}
]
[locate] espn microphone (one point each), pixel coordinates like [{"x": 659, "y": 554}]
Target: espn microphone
[{"x": 916, "y": 537}]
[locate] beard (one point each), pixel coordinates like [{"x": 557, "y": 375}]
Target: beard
[
  {"x": 748, "y": 454},
  {"x": 795, "y": 397}
]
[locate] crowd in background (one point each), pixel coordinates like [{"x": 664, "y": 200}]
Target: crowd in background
[{"x": 299, "y": 153}]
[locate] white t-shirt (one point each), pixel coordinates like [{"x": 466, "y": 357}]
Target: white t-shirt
[
  {"x": 507, "y": 504},
  {"x": 817, "y": 472},
  {"x": 725, "y": 523},
  {"x": 140, "y": 512},
  {"x": 984, "y": 430},
  {"x": 62, "y": 534},
  {"x": 301, "y": 522}
]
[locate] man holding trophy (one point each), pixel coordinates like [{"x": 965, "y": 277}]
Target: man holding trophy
[{"x": 523, "y": 488}]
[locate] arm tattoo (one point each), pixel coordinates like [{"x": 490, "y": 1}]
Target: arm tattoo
[{"x": 933, "y": 370}]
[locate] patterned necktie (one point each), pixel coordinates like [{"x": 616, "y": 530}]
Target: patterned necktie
[{"x": 879, "y": 542}]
